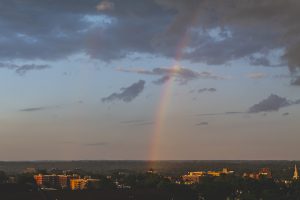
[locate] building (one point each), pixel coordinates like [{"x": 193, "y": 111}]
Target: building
[
  {"x": 252, "y": 175},
  {"x": 82, "y": 184},
  {"x": 54, "y": 181},
  {"x": 193, "y": 177},
  {"x": 262, "y": 173},
  {"x": 296, "y": 175},
  {"x": 265, "y": 172},
  {"x": 73, "y": 182},
  {"x": 78, "y": 184},
  {"x": 64, "y": 181},
  {"x": 225, "y": 171},
  {"x": 214, "y": 173},
  {"x": 47, "y": 180},
  {"x": 38, "y": 179}
]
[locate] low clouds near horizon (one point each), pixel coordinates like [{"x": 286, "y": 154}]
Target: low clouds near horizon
[
  {"x": 272, "y": 103},
  {"x": 41, "y": 108}
]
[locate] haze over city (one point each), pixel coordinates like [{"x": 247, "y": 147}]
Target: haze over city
[{"x": 149, "y": 80}]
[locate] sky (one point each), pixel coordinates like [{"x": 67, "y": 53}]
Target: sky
[{"x": 149, "y": 80}]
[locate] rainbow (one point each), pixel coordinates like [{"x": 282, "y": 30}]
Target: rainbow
[
  {"x": 164, "y": 101},
  {"x": 161, "y": 114}
]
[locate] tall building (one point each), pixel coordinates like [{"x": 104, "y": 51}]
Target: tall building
[
  {"x": 54, "y": 181},
  {"x": 296, "y": 175}
]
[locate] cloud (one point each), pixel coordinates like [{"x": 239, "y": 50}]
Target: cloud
[
  {"x": 182, "y": 74},
  {"x": 132, "y": 121},
  {"x": 257, "y": 75},
  {"x": 295, "y": 80},
  {"x": 202, "y": 124},
  {"x": 207, "y": 90},
  {"x": 263, "y": 61},
  {"x": 23, "y": 69},
  {"x": 161, "y": 80},
  {"x": 35, "y": 109},
  {"x": 285, "y": 114},
  {"x": 50, "y": 30},
  {"x": 223, "y": 113},
  {"x": 127, "y": 94},
  {"x": 272, "y": 103},
  {"x": 238, "y": 22}
]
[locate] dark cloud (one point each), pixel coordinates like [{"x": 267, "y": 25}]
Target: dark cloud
[
  {"x": 35, "y": 109},
  {"x": 162, "y": 80},
  {"x": 263, "y": 61},
  {"x": 191, "y": 91},
  {"x": 285, "y": 114},
  {"x": 207, "y": 90},
  {"x": 107, "y": 30},
  {"x": 132, "y": 121},
  {"x": 295, "y": 80},
  {"x": 202, "y": 124},
  {"x": 127, "y": 94},
  {"x": 22, "y": 69},
  {"x": 224, "y": 113},
  {"x": 297, "y": 101},
  {"x": 80, "y": 102},
  {"x": 238, "y": 21},
  {"x": 183, "y": 75},
  {"x": 272, "y": 103}
]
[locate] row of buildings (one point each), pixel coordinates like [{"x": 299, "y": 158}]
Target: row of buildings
[
  {"x": 194, "y": 177},
  {"x": 263, "y": 172},
  {"x": 73, "y": 182}
]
